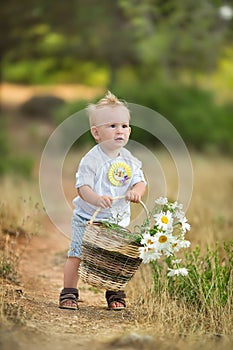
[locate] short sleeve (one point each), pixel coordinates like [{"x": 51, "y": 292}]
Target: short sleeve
[
  {"x": 138, "y": 177},
  {"x": 85, "y": 174}
]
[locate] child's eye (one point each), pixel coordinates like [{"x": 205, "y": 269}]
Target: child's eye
[
  {"x": 125, "y": 126},
  {"x": 112, "y": 126}
]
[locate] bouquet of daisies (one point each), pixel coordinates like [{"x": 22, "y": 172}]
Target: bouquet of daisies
[{"x": 164, "y": 235}]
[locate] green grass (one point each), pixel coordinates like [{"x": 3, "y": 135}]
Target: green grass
[{"x": 209, "y": 282}]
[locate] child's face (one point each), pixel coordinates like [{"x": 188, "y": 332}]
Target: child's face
[{"x": 112, "y": 129}]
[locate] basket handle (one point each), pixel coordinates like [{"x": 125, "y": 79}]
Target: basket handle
[{"x": 114, "y": 198}]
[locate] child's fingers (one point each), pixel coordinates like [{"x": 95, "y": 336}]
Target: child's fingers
[
  {"x": 133, "y": 196},
  {"x": 109, "y": 202},
  {"x": 105, "y": 202}
]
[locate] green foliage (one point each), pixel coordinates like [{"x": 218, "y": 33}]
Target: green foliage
[
  {"x": 4, "y": 146},
  {"x": 48, "y": 70},
  {"x": 202, "y": 123},
  {"x": 10, "y": 163},
  {"x": 191, "y": 110},
  {"x": 26, "y": 72},
  {"x": 22, "y": 166},
  {"x": 69, "y": 43},
  {"x": 170, "y": 35},
  {"x": 209, "y": 282},
  {"x": 176, "y": 35},
  {"x": 70, "y": 109}
]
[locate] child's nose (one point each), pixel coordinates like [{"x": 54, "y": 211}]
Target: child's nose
[{"x": 120, "y": 129}]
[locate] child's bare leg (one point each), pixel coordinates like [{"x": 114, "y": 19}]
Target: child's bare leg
[
  {"x": 71, "y": 272},
  {"x": 71, "y": 276}
]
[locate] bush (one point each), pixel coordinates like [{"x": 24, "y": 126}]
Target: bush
[
  {"x": 201, "y": 123},
  {"x": 41, "y": 106},
  {"x": 47, "y": 70},
  {"x": 193, "y": 112},
  {"x": 67, "y": 111},
  {"x": 8, "y": 162}
]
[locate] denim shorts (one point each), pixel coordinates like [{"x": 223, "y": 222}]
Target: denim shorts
[{"x": 78, "y": 228}]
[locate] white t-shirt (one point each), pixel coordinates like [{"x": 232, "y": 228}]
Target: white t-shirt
[{"x": 110, "y": 177}]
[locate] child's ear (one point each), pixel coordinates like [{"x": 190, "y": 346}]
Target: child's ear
[{"x": 95, "y": 133}]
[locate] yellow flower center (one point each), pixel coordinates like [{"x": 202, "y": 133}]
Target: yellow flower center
[
  {"x": 162, "y": 239},
  {"x": 164, "y": 219},
  {"x": 149, "y": 241}
]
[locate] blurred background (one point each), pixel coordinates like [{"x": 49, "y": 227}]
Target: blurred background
[{"x": 174, "y": 56}]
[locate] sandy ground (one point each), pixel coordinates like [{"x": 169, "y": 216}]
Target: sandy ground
[
  {"x": 13, "y": 95},
  {"x": 33, "y": 318}
]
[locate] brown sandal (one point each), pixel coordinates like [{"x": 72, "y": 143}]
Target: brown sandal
[
  {"x": 69, "y": 294},
  {"x": 115, "y": 296}
]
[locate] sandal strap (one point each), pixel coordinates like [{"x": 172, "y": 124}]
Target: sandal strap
[
  {"x": 69, "y": 293},
  {"x": 118, "y": 296},
  {"x": 71, "y": 297}
]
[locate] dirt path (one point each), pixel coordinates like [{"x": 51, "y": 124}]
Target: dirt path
[
  {"x": 13, "y": 95},
  {"x": 34, "y": 304}
]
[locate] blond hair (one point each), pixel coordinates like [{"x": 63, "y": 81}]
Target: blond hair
[{"x": 109, "y": 100}]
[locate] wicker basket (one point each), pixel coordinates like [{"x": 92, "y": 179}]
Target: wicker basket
[{"x": 109, "y": 257}]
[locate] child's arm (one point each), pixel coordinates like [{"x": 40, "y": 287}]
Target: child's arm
[
  {"x": 137, "y": 191},
  {"x": 88, "y": 195}
]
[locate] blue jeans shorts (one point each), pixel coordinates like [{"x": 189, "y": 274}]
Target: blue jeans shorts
[{"x": 78, "y": 228}]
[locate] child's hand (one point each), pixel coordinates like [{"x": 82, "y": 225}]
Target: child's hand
[
  {"x": 133, "y": 196},
  {"x": 104, "y": 202}
]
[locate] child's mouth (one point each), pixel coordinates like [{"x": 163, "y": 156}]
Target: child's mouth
[{"x": 119, "y": 139}]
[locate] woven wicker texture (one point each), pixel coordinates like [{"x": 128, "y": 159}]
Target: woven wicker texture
[{"x": 110, "y": 258}]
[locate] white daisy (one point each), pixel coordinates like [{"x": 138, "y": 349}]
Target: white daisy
[
  {"x": 185, "y": 243},
  {"x": 180, "y": 243},
  {"x": 161, "y": 201},
  {"x": 167, "y": 236},
  {"x": 176, "y": 272},
  {"x": 147, "y": 239},
  {"x": 176, "y": 261},
  {"x": 148, "y": 254},
  {"x": 175, "y": 206},
  {"x": 164, "y": 243},
  {"x": 179, "y": 215},
  {"x": 163, "y": 220},
  {"x": 184, "y": 224}
]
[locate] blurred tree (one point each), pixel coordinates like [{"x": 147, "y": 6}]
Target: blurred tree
[
  {"x": 169, "y": 35},
  {"x": 94, "y": 30},
  {"x": 21, "y": 26},
  {"x": 178, "y": 34},
  {"x": 83, "y": 30}
]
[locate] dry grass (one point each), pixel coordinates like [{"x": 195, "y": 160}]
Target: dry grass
[
  {"x": 210, "y": 210},
  {"x": 173, "y": 317},
  {"x": 19, "y": 222}
]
